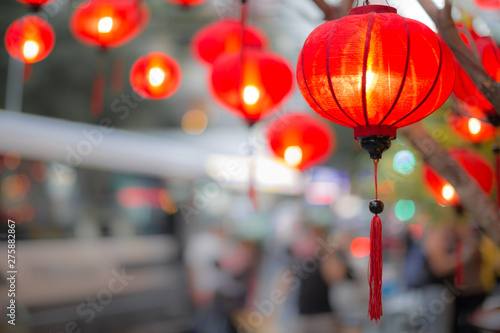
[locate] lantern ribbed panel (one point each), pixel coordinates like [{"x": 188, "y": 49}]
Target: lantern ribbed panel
[
  {"x": 129, "y": 17},
  {"x": 140, "y": 76},
  {"x": 375, "y": 69},
  {"x": 268, "y": 73},
  {"x": 29, "y": 28},
  {"x": 474, "y": 164},
  {"x": 224, "y": 37},
  {"x": 315, "y": 138},
  {"x": 490, "y": 56}
]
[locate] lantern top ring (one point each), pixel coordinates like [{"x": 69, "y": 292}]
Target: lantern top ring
[{"x": 373, "y": 9}]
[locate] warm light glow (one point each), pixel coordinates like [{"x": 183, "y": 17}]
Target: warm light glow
[
  {"x": 156, "y": 76},
  {"x": 448, "y": 192},
  {"x": 474, "y": 126},
  {"x": 293, "y": 156},
  {"x": 360, "y": 247},
  {"x": 251, "y": 95},
  {"x": 370, "y": 78},
  {"x": 194, "y": 122},
  {"x": 105, "y": 24},
  {"x": 30, "y": 49}
]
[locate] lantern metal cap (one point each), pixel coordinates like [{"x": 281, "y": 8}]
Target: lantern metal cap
[{"x": 373, "y": 9}]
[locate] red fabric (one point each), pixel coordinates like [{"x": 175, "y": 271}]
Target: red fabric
[
  {"x": 375, "y": 69},
  {"x": 490, "y": 56},
  {"x": 29, "y": 28},
  {"x": 460, "y": 126},
  {"x": 476, "y": 166},
  {"x": 269, "y": 73},
  {"x": 139, "y": 76},
  {"x": 315, "y": 138},
  {"x": 187, "y": 3},
  {"x": 224, "y": 37},
  {"x": 34, "y": 3},
  {"x": 375, "y": 270},
  {"x": 130, "y": 18},
  {"x": 488, "y": 4}
]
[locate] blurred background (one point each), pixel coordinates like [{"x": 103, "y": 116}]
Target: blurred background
[{"x": 144, "y": 223}]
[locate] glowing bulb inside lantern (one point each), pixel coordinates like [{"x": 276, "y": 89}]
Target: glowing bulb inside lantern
[
  {"x": 156, "y": 76},
  {"x": 370, "y": 78},
  {"x": 448, "y": 192},
  {"x": 474, "y": 126},
  {"x": 251, "y": 95},
  {"x": 293, "y": 156},
  {"x": 30, "y": 49},
  {"x": 105, "y": 24}
]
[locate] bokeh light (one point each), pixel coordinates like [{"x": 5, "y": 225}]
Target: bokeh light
[
  {"x": 416, "y": 232},
  {"x": 11, "y": 159},
  {"x": 404, "y": 162},
  {"x": 404, "y": 209},
  {"x": 360, "y": 247},
  {"x": 194, "y": 122}
]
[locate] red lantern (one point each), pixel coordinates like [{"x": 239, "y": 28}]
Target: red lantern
[
  {"x": 375, "y": 71},
  {"x": 488, "y": 4},
  {"x": 251, "y": 84},
  {"x": 108, "y": 23},
  {"x": 490, "y": 56},
  {"x": 155, "y": 75},
  {"x": 29, "y": 39},
  {"x": 476, "y": 166},
  {"x": 36, "y": 4},
  {"x": 224, "y": 37},
  {"x": 188, "y": 3},
  {"x": 301, "y": 140},
  {"x": 471, "y": 129}
]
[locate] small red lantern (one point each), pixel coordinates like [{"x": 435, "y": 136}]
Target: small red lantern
[
  {"x": 490, "y": 56},
  {"x": 35, "y": 4},
  {"x": 488, "y": 4},
  {"x": 471, "y": 129},
  {"x": 187, "y": 3},
  {"x": 29, "y": 39},
  {"x": 476, "y": 166},
  {"x": 108, "y": 23},
  {"x": 388, "y": 72},
  {"x": 251, "y": 84},
  {"x": 224, "y": 37},
  {"x": 301, "y": 140},
  {"x": 155, "y": 75}
]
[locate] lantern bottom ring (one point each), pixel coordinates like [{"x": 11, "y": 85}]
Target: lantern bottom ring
[{"x": 375, "y": 145}]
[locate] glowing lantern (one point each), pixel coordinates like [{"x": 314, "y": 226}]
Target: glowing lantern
[
  {"x": 251, "y": 85},
  {"x": 224, "y": 37},
  {"x": 471, "y": 129},
  {"x": 301, "y": 140},
  {"x": 108, "y": 23},
  {"x": 490, "y": 56},
  {"x": 187, "y": 3},
  {"x": 476, "y": 166},
  {"x": 374, "y": 82},
  {"x": 155, "y": 75},
  {"x": 488, "y": 4},
  {"x": 29, "y": 39}
]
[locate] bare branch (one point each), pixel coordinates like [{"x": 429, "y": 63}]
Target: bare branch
[{"x": 478, "y": 204}]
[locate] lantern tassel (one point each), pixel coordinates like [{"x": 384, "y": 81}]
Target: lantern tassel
[
  {"x": 459, "y": 270},
  {"x": 99, "y": 85},
  {"x": 375, "y": 264},
  {"x": 27, "y": 72},
  {"x": 375, "y": 270}
]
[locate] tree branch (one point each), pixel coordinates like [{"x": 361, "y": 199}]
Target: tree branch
[
  {"x": 334, "y": 12},
  {"x": 472, "y": 66},
  {"x": 478, "y": 204}
]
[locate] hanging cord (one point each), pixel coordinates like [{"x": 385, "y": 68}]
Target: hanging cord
[
  {"x": 375, "y": 264},
  {"x": 459, "y": 270},
  {"x": 99, "y": 84}
]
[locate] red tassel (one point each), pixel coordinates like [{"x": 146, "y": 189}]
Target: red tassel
[
  {"x": 27, "y": 72},
  {"x": 97, "y": 98},
  {"x": 253, "y": 196},
  {"x": 375, "y": 270},
  {"x": 459, "y": 271}
]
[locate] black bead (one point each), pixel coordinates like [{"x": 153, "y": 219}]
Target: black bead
[
  {"x": 375, "y": 145},
  {"x": 495, "y": 149},
  {"x": 376, "y": 206}
]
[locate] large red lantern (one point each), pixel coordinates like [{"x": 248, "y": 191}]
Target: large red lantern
[
  {"x": 224, "y": 37},
  {"x": 29, "y": 39},
  {"x": 108, "y": 23},
  {"x": 375, "y": 71},
  {"x": 488, "y": 4},
  {"x": 471, "y": 129},
  {"x": 301, "y": 140},
  {"x": 476, "y": 166},
  {"x": 155, "y": 75},
  {"x": 251, "y": 84}
]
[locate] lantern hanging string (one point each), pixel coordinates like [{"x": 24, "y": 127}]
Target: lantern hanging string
[{"x": 99, "y": 84}]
